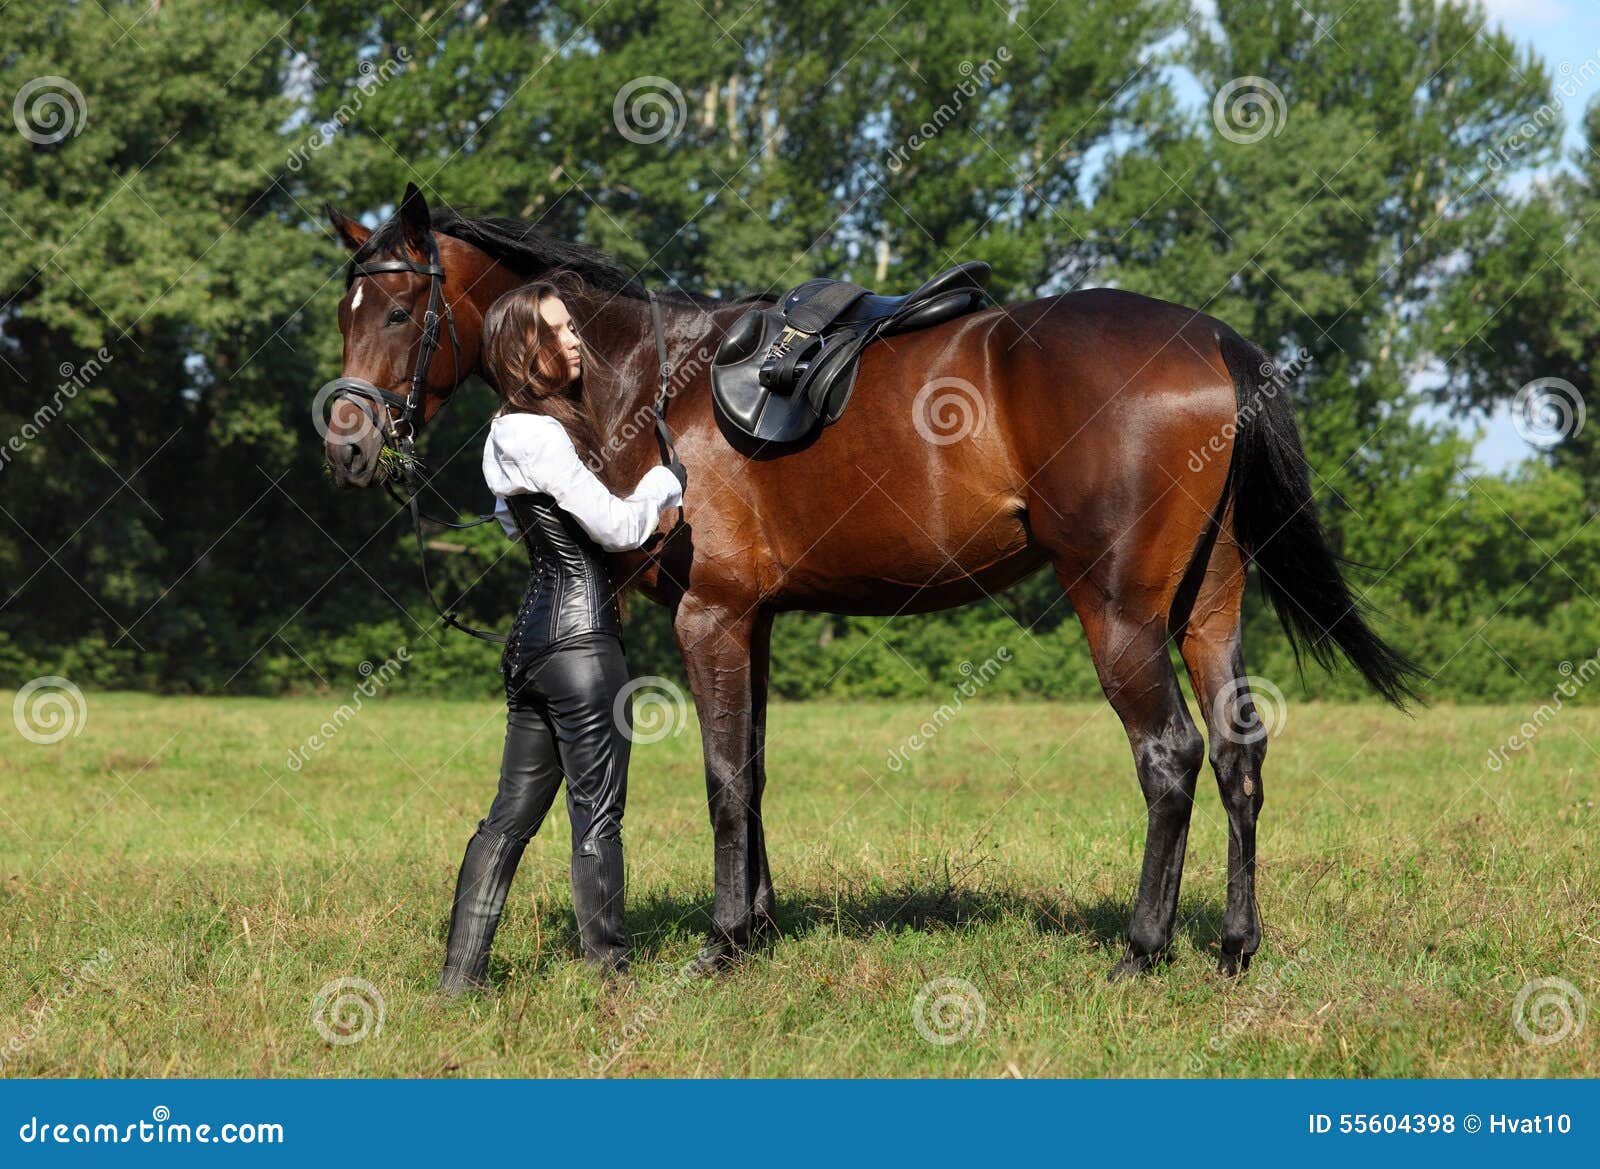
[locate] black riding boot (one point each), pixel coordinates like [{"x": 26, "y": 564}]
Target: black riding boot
[
  {"x": 597, "y": 903},
  {"x": 486, "y": 872}
]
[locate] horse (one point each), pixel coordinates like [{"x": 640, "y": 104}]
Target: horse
[{"x": 1143, "y": 451}]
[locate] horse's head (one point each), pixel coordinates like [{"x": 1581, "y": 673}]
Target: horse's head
[{"x": 410, "y": 338}]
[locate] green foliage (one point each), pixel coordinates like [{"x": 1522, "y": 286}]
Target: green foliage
[{"x": 166, "y": 524}]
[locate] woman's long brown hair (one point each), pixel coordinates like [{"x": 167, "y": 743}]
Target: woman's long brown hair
[{"x": 524, "y": 361}]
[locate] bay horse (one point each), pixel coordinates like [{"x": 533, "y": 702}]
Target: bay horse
[{"x": 1142, "y": 450}]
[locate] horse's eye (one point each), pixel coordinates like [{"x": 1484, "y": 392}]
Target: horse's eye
[{"x": 398, "y": 316}]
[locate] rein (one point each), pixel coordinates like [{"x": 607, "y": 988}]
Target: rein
[
  {"x": 659, "y": 407},
  {"x": 400, "y": 433}
]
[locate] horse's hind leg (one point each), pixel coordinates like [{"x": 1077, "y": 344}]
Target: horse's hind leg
[
  {"x": 1212, "y": 653},
  {"x": 1129, "y": 647}
]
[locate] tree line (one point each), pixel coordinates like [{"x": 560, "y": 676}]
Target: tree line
[{"x": 1374, "y": 191}]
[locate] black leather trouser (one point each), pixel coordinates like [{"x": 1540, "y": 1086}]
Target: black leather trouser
[
  {"x": 563, "y": 718},
  {"x": 560, "y": 720}
]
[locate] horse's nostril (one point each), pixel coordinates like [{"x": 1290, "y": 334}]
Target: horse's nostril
[{"x": 350, "y": 466}]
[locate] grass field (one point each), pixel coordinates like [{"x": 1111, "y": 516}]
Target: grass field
[{"x": 175, "y": 897}]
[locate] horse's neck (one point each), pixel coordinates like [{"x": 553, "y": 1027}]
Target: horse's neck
[
  {"x": 484, "y": 280},
  {"x": 620, "y": 331}
]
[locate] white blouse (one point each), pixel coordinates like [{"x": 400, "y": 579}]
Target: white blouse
[{"x": 530, "y": 453}]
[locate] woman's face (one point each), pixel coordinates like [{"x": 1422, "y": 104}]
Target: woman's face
[{"x": 556, "y": 318}]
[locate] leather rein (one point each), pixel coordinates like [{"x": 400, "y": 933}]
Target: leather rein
[{"x": 400, "y": 433}]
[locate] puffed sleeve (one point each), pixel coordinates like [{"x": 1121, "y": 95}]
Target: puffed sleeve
[{"x": 531, "y": 453}]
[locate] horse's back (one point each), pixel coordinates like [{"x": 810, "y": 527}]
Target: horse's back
[{"x": 921, "y": 494}]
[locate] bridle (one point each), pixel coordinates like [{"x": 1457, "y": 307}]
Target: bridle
[
  {"x": 401, "y": 433},
  {"x": 369, "y": 398}
]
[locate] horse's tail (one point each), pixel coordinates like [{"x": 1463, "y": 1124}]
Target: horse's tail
[{"x": 1275, "y": 520}]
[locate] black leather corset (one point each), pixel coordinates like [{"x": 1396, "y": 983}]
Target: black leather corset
[{"x": 569, "y": 590}]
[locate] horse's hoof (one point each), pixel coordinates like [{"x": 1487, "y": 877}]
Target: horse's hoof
[
  {"x": 614, "y": 974},
  {"x": 1131, "y": 967},
  {"x": 1232, "y": 965},
  {"x": 463, "y": 991},
  {"x": 712, "y": 959}
]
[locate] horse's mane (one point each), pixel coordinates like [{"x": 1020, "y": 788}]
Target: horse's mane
[{"x": 528, "y": 249}]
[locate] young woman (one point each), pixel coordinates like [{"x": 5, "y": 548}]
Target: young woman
[{"x": 563, "y": 664}]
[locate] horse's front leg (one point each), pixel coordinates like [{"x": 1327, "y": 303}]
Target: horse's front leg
[
  {"x": 763, "y": 903},
  {"x": 716, "y": 640}
]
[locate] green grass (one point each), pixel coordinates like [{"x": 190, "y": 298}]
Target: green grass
[{"x": 1408, "y": 894}]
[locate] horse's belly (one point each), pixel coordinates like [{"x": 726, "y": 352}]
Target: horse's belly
[
  {"x": 887, "y": 598},
  {"x": 887, "y": 554}
]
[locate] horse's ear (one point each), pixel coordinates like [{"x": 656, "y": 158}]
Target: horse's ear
[
  {"x": 414, "y": 218},
  {"x": 351, "y": 234}
]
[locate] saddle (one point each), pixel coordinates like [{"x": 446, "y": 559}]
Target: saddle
[{"x": 784, "y": 371}]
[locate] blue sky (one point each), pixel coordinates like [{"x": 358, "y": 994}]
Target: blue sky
[
  {"x": 1555, "y": 27},
  {"x": 1560, "y": 31}
]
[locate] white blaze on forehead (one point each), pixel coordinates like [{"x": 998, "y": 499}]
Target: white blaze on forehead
[{"x": 356, "y": 303}]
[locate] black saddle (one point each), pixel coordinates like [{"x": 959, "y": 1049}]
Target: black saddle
[{"x": 783, "y": 371}]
